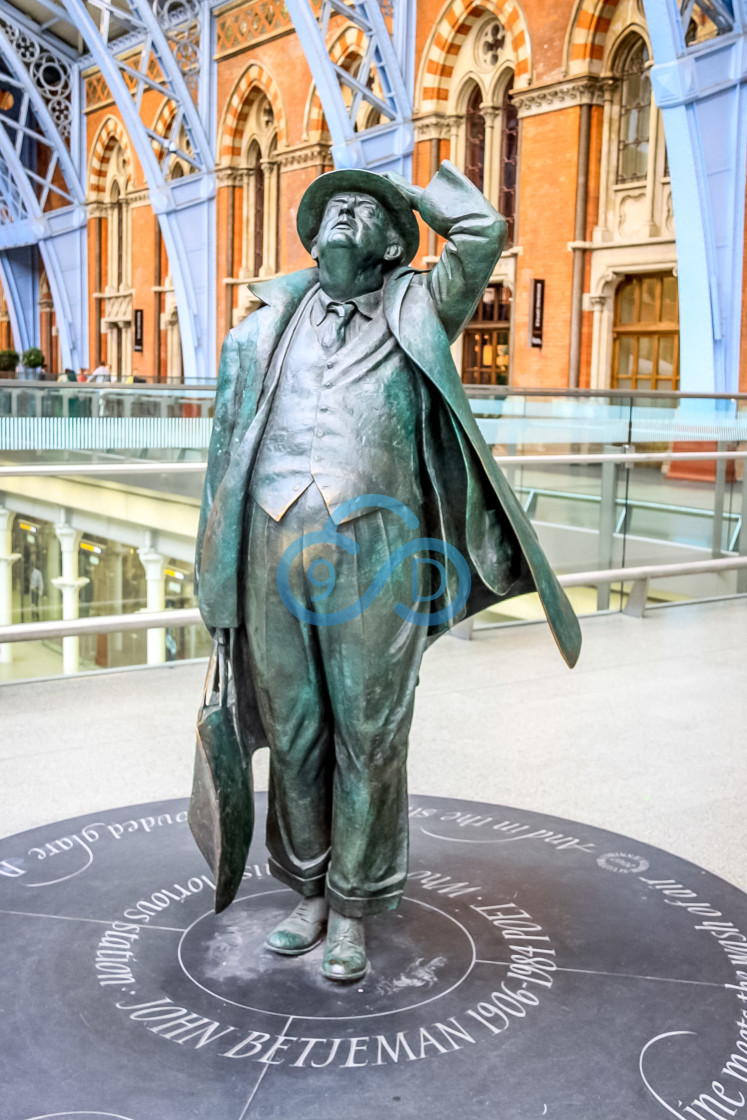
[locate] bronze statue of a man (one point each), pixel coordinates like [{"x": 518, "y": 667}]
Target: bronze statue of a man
[{"x": 338, "y": 403}]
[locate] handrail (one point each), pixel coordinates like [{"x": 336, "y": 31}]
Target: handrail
[
  {"x": 181, "y": 389},
  {"x": 137, "y": 466},
  {"x": 635, "y": 503},
  {"x": 508, "y": 391},
  {"x": 471, "y": 390},
  {"x": 104, "y": 624},
  {"x": 651, "y": 571},
  {"x": 143, "y": 466},
  {"x": 190, "y": 616},
  {"x": 627, "y": 457}
]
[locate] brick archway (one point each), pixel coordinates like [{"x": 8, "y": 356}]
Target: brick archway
[
  {"x": 162, "y": 121},
  {"x": 255, "y": 77},
  {"x": 585, "y": 44},
  {"x": 110, "y": 134},
  {"x": 447, "y": 40}
]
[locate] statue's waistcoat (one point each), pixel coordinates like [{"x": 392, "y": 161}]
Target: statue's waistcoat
[{"x": 346, "y": 419}]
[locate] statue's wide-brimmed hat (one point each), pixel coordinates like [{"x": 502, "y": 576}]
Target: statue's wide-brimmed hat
[{"x": 314, "y": 202}]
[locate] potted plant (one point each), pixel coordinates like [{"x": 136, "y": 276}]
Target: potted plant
[
  {"x": 32, "y": 361},
  {"x": 8, "y": 362}
]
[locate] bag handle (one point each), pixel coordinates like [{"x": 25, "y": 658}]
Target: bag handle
[
  {"x": 223, "y": 671},
  {"x": 216, "y": 679},
  {"x": 211, "y": 677}
]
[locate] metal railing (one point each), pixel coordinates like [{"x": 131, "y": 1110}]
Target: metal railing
[{"x": 638, "y": 576}]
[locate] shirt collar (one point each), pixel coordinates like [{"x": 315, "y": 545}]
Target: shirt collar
[{"x": 368, "y": 304}]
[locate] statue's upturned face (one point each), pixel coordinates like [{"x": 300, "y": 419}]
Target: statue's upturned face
[{"x": 355, "y": 220}]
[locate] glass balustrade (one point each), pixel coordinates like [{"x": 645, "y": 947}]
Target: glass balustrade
[{"x": 121, "y": 540}]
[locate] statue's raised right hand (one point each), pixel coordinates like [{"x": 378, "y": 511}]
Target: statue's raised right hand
[{"x": 412, "y": 193}]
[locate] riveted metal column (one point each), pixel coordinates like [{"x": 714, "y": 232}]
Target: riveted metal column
[{"x": 702, "y": 93}]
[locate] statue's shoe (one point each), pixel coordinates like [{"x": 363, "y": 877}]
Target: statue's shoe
[
  {"x": 345, "y": 951},
  {"x": 301, "y": 930}
]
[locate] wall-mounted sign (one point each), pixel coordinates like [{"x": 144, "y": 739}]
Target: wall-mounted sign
[
  {"x": 538, "y": 312},
  {"x": 138, "y": 330}
]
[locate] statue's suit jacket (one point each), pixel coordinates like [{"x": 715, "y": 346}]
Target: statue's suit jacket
[{"x": 467, "y": 501}]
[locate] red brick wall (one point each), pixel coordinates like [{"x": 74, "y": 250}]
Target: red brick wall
[{"x": 547, "y": 203}]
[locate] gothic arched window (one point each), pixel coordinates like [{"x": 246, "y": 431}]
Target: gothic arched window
[
  {"x": 474, "y": 152},
  {"x": 509, "y": 155},
  {"x": 116, "y": 276},
  {"x": 635, "y": 113},
  {"x": 257, "y": 205}
]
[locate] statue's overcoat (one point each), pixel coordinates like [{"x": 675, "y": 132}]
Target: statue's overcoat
[{"x": 467, "y": 501}]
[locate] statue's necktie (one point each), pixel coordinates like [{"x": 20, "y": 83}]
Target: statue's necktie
[{"x": 331, "y": 330}]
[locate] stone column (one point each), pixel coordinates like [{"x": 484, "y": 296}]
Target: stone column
[
  {"x": 153, "y": 563},
  {"x": 602, "y": 232},
  {"x": 7, "y": 560},
  {"x": 69, "y": 584},
  {"x": 597, "y": 379},
  {"x": 651, "y": 177},
  {"x": 492, "y": 167},
  {"x": 454, "y": 153},
  {"x": 116, "y": 553},
  {"x": 270, "y": 226}
]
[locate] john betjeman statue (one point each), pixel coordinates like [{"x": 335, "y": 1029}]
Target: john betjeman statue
[{"x": 341, "y": 386}]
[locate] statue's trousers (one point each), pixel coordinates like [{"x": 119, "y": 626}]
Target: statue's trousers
[{"x": 336, "y": 702}]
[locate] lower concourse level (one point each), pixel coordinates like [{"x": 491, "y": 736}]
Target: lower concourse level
[{"x": 645, "y": 737}]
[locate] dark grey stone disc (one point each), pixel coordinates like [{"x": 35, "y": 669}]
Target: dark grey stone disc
[{"x": 536, "y": 967}]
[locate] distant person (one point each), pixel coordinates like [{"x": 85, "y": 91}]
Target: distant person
[
  {"x": 101, "y": 373},
  {"x": 36, "y": 590},
  {"x": 83, "y": 373}
]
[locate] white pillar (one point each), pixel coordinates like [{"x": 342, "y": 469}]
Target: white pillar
[
  {"x": 155, "y": 599},
  {"x": 116, "y": 556},
  {"x": 598, "y": 378},
  {"x": 454, "y": 154},
  {"x": 270, "y": 223},
  {"x": 492, "y": 164},
  {"x": 69, "y": 584},
  {"x": 602, "y": 232},
  {"x": 7, "y": 560}
]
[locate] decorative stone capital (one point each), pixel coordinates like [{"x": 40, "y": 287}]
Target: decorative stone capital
[
  {"x": 153, "y": 561},
  {"x": 434, "y": 126},
  {"x": 608, "y": 88},
  {"x": 307, "y": 155},
  {"x": 69, "y": 585},
  {"x": 560, "y": 95},
  {"x": 228, "y": 176}
]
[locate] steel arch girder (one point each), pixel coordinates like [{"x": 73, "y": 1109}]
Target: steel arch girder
[
  {"x": 41, "y": 112},
  {"x": 66, "y": 263},
  {"x": 20, "y": 286},
  {"x": 185, "y": 207},
  {"x": 78, "y": 13},
  {"x": 60, "y": 235},
  {"x": 62, "y": 247},
  {"x": 388, "y": 146},
  {"x": 702, "y": 95},
  {"x": 188, "y": 234},
  {"x": 203, "y": 147}
]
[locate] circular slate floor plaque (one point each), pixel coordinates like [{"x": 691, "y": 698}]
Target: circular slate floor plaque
[{"x": 536, "y": 968}]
